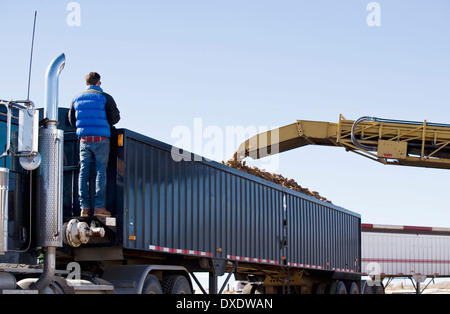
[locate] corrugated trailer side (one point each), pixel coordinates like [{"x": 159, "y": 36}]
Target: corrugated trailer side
[
  {"x": 405, "y": 251},
  {"x": 204, "y": 208}
]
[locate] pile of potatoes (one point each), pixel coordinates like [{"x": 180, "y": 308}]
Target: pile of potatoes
[{"x": 276, "y": 178}]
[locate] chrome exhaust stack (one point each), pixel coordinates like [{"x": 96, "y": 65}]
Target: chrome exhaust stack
[
  {"x": 52, "y": 88},
  {"x": 49, "y": 185}
]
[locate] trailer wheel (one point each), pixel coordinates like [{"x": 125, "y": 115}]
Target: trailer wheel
[
  {"x": 366, "y": 288},
  {"x": 176, "y": 284},
  {"x": 378, "y": 289},
  {"x": 353, "y": 288},
  {"x": 338, "y": 287},
  {"x": 152, "y": 285}
]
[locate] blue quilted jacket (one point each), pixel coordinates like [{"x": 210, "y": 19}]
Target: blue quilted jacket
[{"x": 90, "y": 113}]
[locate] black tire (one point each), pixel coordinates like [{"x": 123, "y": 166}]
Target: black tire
[
  {"x": 176, "y": 284},
  {"x": 152, "y": 285},
  {"x": 378, "y": 289},
  {"x": 366, "y": 288},
  {"x": 338, "y": 287},
  {"x": 353, "y": 288}
]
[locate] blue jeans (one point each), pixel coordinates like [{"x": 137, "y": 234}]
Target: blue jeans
[{"x": 99, "y": 152}]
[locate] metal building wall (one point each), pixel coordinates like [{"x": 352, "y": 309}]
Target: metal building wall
[
  {"x": 398, "y": 255},
  {"x": 208, "y": 209}
]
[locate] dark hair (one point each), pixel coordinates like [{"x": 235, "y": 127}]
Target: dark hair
[{"x": 92, "y": 78}]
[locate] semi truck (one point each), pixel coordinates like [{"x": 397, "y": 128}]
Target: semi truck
[{"x": 171, "y": 218}]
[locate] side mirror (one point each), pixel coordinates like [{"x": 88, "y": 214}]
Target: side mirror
[
  {"x": 28, "y": 138},
  {"x": 28, "y": 135}
]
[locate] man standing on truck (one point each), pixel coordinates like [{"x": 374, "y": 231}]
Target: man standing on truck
[{"x": 93, "y": 112}]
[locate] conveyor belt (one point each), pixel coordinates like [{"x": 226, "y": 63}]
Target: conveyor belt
[{"x": 395, "y": 142}]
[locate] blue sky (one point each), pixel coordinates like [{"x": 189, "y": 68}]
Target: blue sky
[{"x": 259, "y": 63}]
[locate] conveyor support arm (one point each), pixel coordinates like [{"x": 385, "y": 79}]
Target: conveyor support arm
[{"x": 394, "y": 142}]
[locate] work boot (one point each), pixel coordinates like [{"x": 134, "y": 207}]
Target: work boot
[
  {"x": 101, "y": 212},
  {"x": 85, "y": 212}
]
